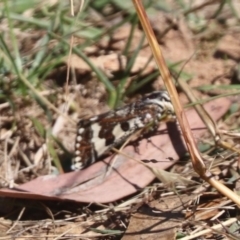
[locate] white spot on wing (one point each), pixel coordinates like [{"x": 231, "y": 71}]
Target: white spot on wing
[
  {"x": 138, "y": 122},
  {"x": 80, "y": 130},
  {"x": 77, "y": 159},
  {"x": 93, "y": 118},
  {"x": 98, "y": 143},
  {"x": 119, "y": 133},
  {"x": 148, "y": 116},
  {"x": 79, "y": 138},
  {"x": 77, "y": 166}
]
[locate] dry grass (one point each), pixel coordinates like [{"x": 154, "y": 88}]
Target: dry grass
[{"x": 110, "y": 63}]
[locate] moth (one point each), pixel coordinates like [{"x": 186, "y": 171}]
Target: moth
[{"x": 99, "y": 134}]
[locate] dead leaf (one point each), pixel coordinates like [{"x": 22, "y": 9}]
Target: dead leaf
[
  {"x": 158, "y": 220},
  {"x": 101, "y": 183}
]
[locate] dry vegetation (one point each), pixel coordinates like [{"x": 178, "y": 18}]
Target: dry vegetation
[{"x": 56, "y": 68}]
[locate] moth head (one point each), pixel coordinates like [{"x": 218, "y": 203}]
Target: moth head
[{"x": 162, "y": 103}]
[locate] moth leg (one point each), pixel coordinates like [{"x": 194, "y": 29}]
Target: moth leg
[{"x": 136, "y": 147}]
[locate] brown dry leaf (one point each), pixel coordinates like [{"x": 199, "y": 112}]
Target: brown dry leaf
[
  {"x": 158, "y": 220},
  {"x": 111, "y": 63},
  {"x": 210, "y": 205},
  {"x": 178, "y": 44},
  {"x": 229, "y": 47},
  {"x": 101, "y": 183}
]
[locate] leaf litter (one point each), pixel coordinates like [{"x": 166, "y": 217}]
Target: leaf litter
[{"x": 127, "y": 198}]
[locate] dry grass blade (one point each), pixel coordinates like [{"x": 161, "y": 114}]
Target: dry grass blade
[
  {"x": 43, "y": 99},
  {"x": 65, "y": 60},
  {"x": 212, "y": 229},
  {"x": 206, "y": 119},
  {"x": 197, "y": 160}
]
